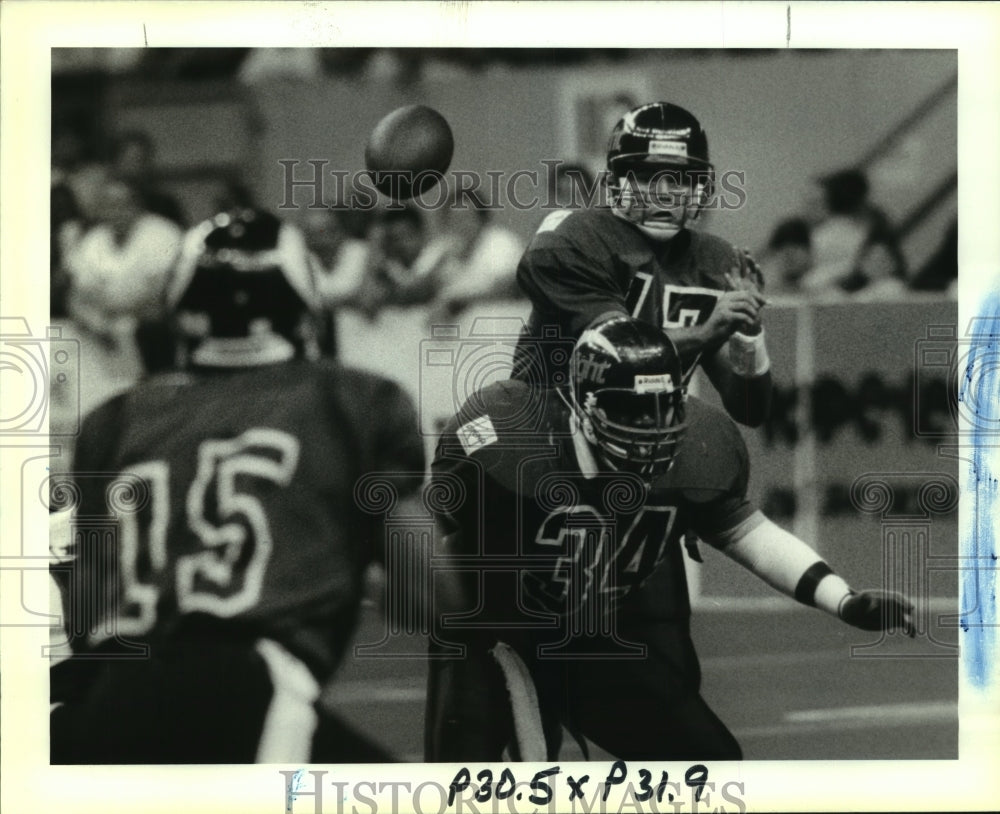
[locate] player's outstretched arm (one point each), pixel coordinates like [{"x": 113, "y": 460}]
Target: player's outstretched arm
[{"x": 791, "y": 566}]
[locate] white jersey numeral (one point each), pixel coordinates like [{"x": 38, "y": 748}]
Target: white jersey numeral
[
  {"x": 587, "y": 566},
  {"x": 224, "y": 578},
  {"x": 238, "y": 547},
  {"x": 143, "y": 535}
]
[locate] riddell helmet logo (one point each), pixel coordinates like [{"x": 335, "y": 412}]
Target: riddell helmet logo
[
  {"x": 667, "y": 147},
  {"x": 588, "y": 368},
  {"x": 658, "y": 383}
]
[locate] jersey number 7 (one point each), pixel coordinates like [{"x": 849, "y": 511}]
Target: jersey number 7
[{"x": 683, "y": 306}]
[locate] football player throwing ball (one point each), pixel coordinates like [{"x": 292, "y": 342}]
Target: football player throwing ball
[{"x": 638, "y": 256}]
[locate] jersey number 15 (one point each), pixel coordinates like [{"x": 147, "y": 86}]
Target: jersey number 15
[{"x": 223, "y": 576}]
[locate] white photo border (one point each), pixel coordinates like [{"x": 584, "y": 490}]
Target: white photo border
[{"x": 30, "y": 29}]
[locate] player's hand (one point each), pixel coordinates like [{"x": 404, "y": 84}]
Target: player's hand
[
  {"x": 751, "y": 269},
  {"x": 734, "y": 311},
  {"x": 878, "y": 610},
  {"x": 745, "y": 275}
]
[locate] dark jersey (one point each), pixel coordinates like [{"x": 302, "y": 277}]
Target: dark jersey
[
  {"x": 588, "y": 264},
  {"x": 544, "y": 539},
  {"x": 230, "y": 496}
]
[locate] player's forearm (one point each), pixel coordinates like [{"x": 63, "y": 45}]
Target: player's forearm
[
  {"x": 792, "y": 567},
  {"x": 747, "y": 400},
  {"x": 741, "y": 373},
  {"x": 787, "y": 564},
  {"x": 691, "y": 343}
]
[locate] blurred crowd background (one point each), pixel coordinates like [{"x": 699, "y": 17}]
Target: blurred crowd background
[{"x": 845, "y": 164}]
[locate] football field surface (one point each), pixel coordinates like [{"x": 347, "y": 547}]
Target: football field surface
[{"x": 784, "y": 681}]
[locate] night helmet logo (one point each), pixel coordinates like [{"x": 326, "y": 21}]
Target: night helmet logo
[{"x": 590, "y": 368}]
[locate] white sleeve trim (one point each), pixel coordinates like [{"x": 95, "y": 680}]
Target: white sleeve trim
[
  {"x": 780, "y": 559},
  {"x": 737, "y": 532}
]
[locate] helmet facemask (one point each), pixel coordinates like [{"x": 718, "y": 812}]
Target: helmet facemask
[
  {"x": 627, "y": 391},
  {"x": 653, "y": 139},
  {"x": 634, "y": 431},
  {"x": 660, "y": 200}
]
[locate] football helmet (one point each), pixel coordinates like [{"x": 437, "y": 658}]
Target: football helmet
[
  {"x": 243, "y": 291},
  {"x": 627, "y": 390},
  {"x": 658, "y": 172}
]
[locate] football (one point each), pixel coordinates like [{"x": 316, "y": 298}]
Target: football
[{"x": 408, "y": 151}]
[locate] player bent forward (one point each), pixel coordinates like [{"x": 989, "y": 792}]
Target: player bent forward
[{"x": 571, "y": 501}]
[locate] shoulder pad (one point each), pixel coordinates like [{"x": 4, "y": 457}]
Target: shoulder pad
[
  {"x": 510, "y": 408},
  {"x": 585, "y": 227},
  {"x": 552, "y": 220},
  {"x": 713, "y": 456},
  {"x": 715, "y": 256},
  {"x": 503, "y": 425}
]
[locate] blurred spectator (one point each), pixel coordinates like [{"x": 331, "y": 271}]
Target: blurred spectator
[
  {"x": 482, "y": 259},
  {"x": 940, "y": 272},
  {"x": 397, "y": 66},
  {"x": 116, "y": 273},
  {"x": 406, "y": 265},
  {"x": 340, "y": 261},
  {"x": 789, "y": 256},
  {"x": 233, "y": 194},
  {"x": 341, "y": 255},
  {"x": 854, "y": 246},
  {"x": 133, "y": 158},
  {"x": 118, "y": 268},
  {"x": 74, "y": 166},
  {"x": 65, "y": 229}
]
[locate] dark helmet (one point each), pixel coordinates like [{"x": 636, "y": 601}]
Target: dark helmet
[
  {"x": 654, "y": 139},
  {"x": 655, "y": 135},
  {"x": 627, "y": 388},
  {"x": 245, "y": 279}
]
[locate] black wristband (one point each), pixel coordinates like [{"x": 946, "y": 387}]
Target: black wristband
[{"x": 805, "y": 591}]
